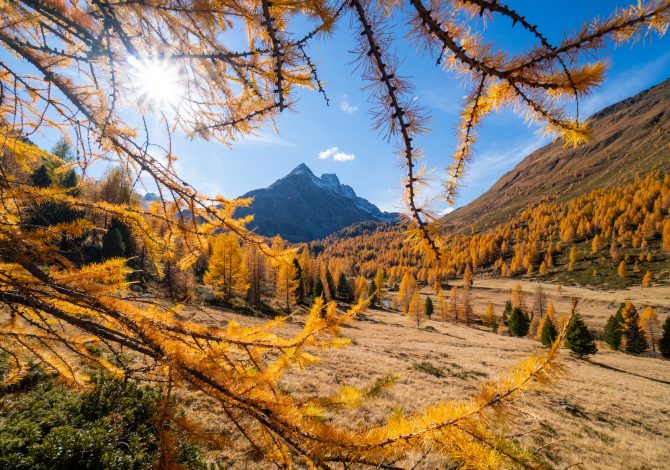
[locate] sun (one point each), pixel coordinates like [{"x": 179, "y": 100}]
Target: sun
[{"x": 156, "y": 81}]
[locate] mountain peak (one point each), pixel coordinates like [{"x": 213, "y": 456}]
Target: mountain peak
[
  {"x": 303, "y": 207},
  {"x": 302, "y": 169}
]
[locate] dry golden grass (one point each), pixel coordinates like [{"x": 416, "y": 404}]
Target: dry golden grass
[{"x": 610, "y": 412}]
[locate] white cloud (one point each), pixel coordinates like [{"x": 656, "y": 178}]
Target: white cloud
[
  {"x": 346, "y": 106},
  {"x": 336, "y": 155},
  {"x": 343, "y": 157},
  {"x": 326, "y": 154}
]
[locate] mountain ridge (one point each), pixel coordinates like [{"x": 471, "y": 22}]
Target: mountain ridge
[
  {"x": 301, "y": 207},
  {"x": 629, "y": 137}
]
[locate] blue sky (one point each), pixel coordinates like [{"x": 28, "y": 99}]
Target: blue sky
[
  {"x": 374, "y": 173},
  {"x": 364, "y": 159}
]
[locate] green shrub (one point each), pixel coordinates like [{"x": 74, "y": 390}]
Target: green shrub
[
  {"x": 428, "y": 368},
  {"x": 112, "y": 426}
]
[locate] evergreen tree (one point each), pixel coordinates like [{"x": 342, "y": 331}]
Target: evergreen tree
[
  {"x": 614, "y": 329},
  {"x": 70, "y": 181},
  {"x": 113, "y": 245},
  {"x": 330, "y": 284},
  {"x": 41, "y": 178},
  {"x": 549, "y": 332},
  {"x": 344, "y": 291},
  {"x": 578, "y": 337},
  {"x": 372, "y": 293},
  {"x": 317, "y": 289},
  {"x": 428, "y": 307},
  {"x": 634, "y": 341},
  {"x": 299, "y": 290},
  {"x": 507, "y": 312},
  {"x": 118, "y": 242},
  {"x": 518, "y": 323},
  {"x": 664, "y": 342},
  {"x": 63, "y": 150}
]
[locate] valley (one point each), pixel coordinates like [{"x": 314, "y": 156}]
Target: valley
[
  {"x": 567, "y": 423},
  {"x": 179, "y": 290}
]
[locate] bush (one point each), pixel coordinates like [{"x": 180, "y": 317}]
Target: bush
[{"x": 113, "y": 426}]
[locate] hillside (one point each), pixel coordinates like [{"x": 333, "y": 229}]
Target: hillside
[
  {"x": 303, "y": 207},
  {"x": 629, "y": 137}
]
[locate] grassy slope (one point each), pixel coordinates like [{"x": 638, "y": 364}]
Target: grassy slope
[{"x": 629, "y": 137}]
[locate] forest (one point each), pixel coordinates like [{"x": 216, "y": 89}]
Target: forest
[{"x": 166, "y": 333}]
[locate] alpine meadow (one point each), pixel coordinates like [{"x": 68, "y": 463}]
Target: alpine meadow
[{"x": 510, "y": 311}]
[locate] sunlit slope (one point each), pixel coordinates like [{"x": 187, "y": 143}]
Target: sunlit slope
[{"x": 629, "y": 137}]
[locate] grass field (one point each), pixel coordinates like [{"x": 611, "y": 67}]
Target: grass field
[{"x": 609, "y": 412}]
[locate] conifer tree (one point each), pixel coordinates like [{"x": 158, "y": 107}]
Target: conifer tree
[
  {"x": 454, "y": 304},
  {"x": 227, "y": 270},
  {"x": 539, "y": 305},
  {"x": 408, "y": 287},
  {"x": 379, "y": 282},
  {"x": 465, "y": 305},
  {"x": 113, "y": 245},
  {"x": 664, "y": 342},
  {"x": 330, "y": 285},
  {"x": 646, "y": 280},
  {"x": 428, "y": 308},
  {"x": 507, "y": 312},
  {"x": 548, "y": 334},
  {"x": 317, "y": 289},
  {"x": 467, "y": 276},
  {"x": 344, "y": 291},
  {"x": 256, "y": 266},
  {"x": 649, "y": 324},
  {"x": 614, "y": 329},
  {"x": 518, "y": 297},
  {"x": 63, "y": 150},
  {"x": 633, "y": 338},
  {"x": 621, "y": 270},
  {"x": 361, "y": 288},
  {"x": 41, "y": 177},
  {"x": 595, "y": 244},
  {"x": 286, "y": 284},
  {"x": 574, "y": 257},
  {"x": 518, "y": 323},
  {"x": 614, "y": 252},
  {"x": 118, "y": 242},
  {"x": 578, "y": 337},
  {"x": 489, "y": 316},
  {"x": 70, "y": 181},
  {"x": 372, "y": 294},
  {"x": 297, "y": 278},
  {"x": 441, "y": 305},
  {"x": 415, "y": 312}
]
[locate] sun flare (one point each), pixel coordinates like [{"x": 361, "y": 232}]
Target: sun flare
[{"x": 156, "y": 81}]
